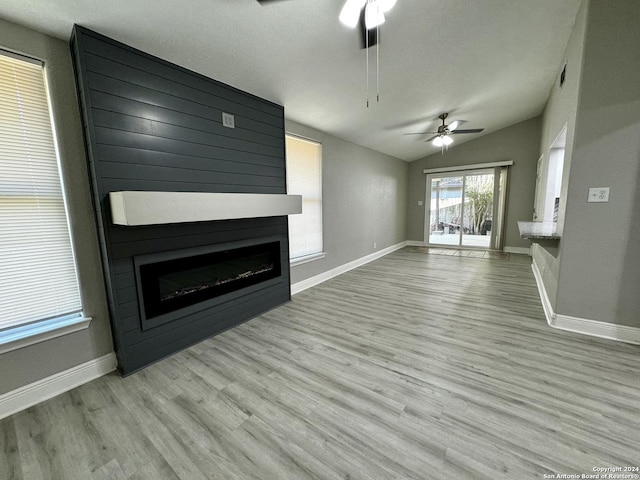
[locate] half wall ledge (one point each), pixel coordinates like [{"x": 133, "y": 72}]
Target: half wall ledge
[{"x": 136, "y": 208}]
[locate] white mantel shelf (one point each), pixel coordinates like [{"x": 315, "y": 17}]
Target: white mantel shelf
[{"x": 131, "y": 208}]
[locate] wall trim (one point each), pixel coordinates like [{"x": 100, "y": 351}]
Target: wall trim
[
  {"x": 518, "y": 250},
  {"x": 34, "y": 393},
  {"x": 334, "y": 272},
  {"x": 415, "y": 243},
  {"x": 585, "y": 326}
]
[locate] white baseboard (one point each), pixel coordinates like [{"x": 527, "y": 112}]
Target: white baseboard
[
  {"x": 585, "y": 326},
  {"x": 34, "y": 393},
  {"x": 334, "y": 272},
  {"x": 518, "y": 250}
]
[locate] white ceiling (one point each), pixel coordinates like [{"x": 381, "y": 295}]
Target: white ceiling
[{"x": 489, "y": 62}]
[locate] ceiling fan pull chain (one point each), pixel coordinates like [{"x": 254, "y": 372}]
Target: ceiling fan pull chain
[
  {"x": 378, "y": 60},
  {"x": 367, "y": 49}
]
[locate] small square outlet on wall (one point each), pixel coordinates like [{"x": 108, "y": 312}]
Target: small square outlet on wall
[
  {"x": 228, "y": 120},
  {"x": 598, "y": 194}
]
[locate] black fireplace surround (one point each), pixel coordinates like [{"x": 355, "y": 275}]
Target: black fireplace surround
[{"x": 151, "y": 125}]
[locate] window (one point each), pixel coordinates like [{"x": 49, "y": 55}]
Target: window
[
  {"x": 37, "y": 270},
  {"x": 304, "y": 177}
]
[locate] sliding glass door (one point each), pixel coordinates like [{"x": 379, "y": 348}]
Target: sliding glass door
[{"x": 465, "y": 209}]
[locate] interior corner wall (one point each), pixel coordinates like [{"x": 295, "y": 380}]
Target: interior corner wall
[
  {"x": 560, "y": 110},
  {"x": 519, "y": 142},
  {"x": 599, "y": 271},
  {"x": 36, "y": 362},
  {"x": 364, "y": 198}
]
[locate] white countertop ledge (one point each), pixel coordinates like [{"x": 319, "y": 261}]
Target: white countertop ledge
[
  {"x": 133, "y": 208},
  {"x": 538, "y": 230}
]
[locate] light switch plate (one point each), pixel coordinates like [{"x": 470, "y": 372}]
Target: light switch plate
[
  {"x": 228, "y": 120},
  {"x": 598, "y": 194}
]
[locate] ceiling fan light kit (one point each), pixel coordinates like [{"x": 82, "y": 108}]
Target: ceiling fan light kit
[
  {"x": 370, "y": 15},
  {"x": 350, "y": 14},
  {"x": 374, "y": 12},
  {"x": 443, "y": 135},
  {"x": 373, "y": 15}
]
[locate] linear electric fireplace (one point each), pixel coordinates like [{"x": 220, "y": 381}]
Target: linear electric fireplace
[{"x": 176, "y": 283}]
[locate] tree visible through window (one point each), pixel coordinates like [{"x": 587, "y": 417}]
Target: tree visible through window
[
  {"x": 304, "y": 177},
  {"x": 37, "y": 269}
]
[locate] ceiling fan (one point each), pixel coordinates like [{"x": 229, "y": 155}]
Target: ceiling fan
[
  {"x": 369, "y": 15},
  {"x": 442, "y": 137}
]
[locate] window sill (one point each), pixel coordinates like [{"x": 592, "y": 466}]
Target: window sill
[
  {"x": 294, "y": 262},
  {"x": 25, "y": 335}
]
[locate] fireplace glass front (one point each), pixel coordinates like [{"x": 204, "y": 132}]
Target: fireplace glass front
[{"x": 176, "y": 283}]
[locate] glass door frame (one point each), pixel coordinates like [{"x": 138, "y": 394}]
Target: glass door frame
[{"x": 500, "y": 172}]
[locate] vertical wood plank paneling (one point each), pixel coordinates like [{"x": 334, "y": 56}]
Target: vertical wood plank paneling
[{"x": 151, "y": 125}]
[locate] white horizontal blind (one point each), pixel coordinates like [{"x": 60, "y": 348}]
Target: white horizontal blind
[
  {"x": 37, "y": 270},
  {"x": 304, "y": 177}
]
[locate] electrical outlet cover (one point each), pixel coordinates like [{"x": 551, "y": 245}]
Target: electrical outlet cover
[
  {"x": 598, "y": 194},
  {"x": 228, "y": 120}
]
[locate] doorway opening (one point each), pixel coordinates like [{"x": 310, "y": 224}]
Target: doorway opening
[
  {"x": 466, "y": 208},
  {"x": 549, "y": 181}
]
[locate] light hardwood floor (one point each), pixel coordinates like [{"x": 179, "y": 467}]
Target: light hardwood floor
[{"x": 415, "y": 366}]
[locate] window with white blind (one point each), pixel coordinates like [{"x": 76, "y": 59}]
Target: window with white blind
[
  {"x": 37, "y": 270},
  {"x": 304, "y": 177}
]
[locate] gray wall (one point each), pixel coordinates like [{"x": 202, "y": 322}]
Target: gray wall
[
  {"x": 364, "y": 201},
  {"x": 599, "y": 272},
  {"x": 559, "y": 111},
  {"x": 519, "y": 142},
  {"x": 29, "y": 364}
]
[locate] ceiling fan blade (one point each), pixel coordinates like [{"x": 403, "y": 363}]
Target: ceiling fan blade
[
  {"x": 471, "y": 130},
  {"x": 421, "y": 133},
  {"x": 432, "y": 138},
  {"x": 454, "y": 125}
]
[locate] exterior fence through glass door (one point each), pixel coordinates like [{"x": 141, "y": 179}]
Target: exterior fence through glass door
[
  {"x": 445, "y": 210},
  {"x": 461, "y": 209},
  {"x": 478, "y": 206}
]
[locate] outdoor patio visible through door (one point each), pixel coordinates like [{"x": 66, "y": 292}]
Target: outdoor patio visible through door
[{"x": 466, "y": 208}]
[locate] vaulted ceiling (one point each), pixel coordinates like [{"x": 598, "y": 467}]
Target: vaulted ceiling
[{"x": 489, "y": 62}]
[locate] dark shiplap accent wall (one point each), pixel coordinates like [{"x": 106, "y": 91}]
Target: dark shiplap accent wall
[{"x": 153, "y": 126}]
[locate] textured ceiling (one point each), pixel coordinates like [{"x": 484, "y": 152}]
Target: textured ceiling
[{"x": 489, "y": 62}]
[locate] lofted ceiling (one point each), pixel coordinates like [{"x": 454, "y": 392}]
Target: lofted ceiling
[{"x": 489, "y": 62}]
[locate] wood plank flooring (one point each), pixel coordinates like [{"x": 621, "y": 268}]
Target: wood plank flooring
[{"x": 415, "y": 366}]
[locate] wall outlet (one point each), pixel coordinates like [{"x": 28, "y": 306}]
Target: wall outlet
[
  {"x": 420, "y": 202},
  {"x": 598, "y": 194},
  {"x": 228, "y": 120},
  {"x": 375, "y": 245}
]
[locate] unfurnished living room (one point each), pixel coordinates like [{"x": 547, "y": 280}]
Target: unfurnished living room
[{"x": 301, "y": 239}]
